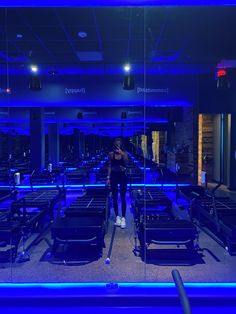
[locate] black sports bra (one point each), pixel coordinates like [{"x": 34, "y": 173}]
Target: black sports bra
[{"x": 117, "y": 165}]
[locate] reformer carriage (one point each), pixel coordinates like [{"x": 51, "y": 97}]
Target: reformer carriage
[
  {"x": 84, "y": 223},
  {"x": 156, "y": 224},
  {"x": 216, "y": 215}
]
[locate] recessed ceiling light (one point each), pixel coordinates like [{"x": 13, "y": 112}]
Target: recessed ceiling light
[
  {"x": 82, "y": 34},
  {"x": 19, "y": 35}
]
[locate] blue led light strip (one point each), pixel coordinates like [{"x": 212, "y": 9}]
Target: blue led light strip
[
  {"x": 68, "y": 3},
  {"x": 74, "y": 186},
  {"x": 121, "y": 285}
]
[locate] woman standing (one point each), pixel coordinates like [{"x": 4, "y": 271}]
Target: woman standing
[{"x": 117, "y": 164}]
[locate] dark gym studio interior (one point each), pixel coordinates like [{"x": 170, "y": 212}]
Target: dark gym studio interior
[{"x": 117, "y": 157}]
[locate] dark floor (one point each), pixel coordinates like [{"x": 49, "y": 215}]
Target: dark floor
[{"x": 212, "y": 264}]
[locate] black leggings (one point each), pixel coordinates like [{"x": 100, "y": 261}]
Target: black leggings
[{"x": 119, "y": 178}]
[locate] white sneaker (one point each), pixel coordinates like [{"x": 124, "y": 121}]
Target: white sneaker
[
  {"x": 123, "y": 223},
  {"x": 118, "y": 221}
]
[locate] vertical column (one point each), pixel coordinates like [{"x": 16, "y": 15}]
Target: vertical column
[
  {"x": 171, "y": 133},
  {"x": 1, "y": 145},
  {"x": 53, "y": 143},
  {"x": 144, "y": 145},
  {"x": 190, "y": 140},
  {"x": 136, "y": 144},
  {"x": 37, "y": 139},
  {"x": 217, "y": 147},
  {"x": 200, "y": 128},
  {"x": 10, "y": 146},
  {"x": 226, "y": 149},
  {"x": 94, "y": 138},
  {"x": 156, "y": 146},
  {"x": 149, "y": 145},
  {"x": 76, "y": 143},
  {"x": 3, "y": 148},
  {"x": 82, "y": 142},
  {"x": 162, "y": 147},
  {"x": 232, "y": 153}
]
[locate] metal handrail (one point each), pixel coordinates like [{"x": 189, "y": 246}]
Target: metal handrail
[{"x": 181, "y": 291}]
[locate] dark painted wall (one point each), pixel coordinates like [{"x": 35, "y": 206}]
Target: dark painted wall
[
  {"x": 216, "y": 147},
  {"x": 213, "y": 100},
  {"x": 100, "y": 91}
]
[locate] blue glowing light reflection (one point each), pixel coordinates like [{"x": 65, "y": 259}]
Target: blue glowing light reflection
[
  {"x": 68, "y": 3},
  {"x": 121, "y": 285},
  {"x": 73, "y": 186},
  {"x": 96, "y": 104}
]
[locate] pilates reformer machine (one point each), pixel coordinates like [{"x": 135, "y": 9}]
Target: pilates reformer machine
[
  {"x": 216, "y": 215},
  {"x": 25, "y": 221},
  {"x": 84, "y": 224},
  {"x": 45, "y": 177},
  {"x": 9, "y": 232},
  {"x": 155, "y": 223},
  {"x": 76, "y": 176}
]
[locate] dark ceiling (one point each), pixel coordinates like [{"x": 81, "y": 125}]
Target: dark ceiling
[
  {"x": 169, "y": 39},
  {"x": 157, "y": 35}
]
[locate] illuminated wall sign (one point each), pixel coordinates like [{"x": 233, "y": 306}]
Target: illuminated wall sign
[
  {"x": 71, "y": 91},
  {"x": 152, "y": 90}
]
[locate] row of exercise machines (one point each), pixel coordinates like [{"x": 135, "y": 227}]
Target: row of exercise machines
[
  {"x": 84, "y": 223},
  {"x": 92, "y": 170},
  {"x": 67, "y": 172}
]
